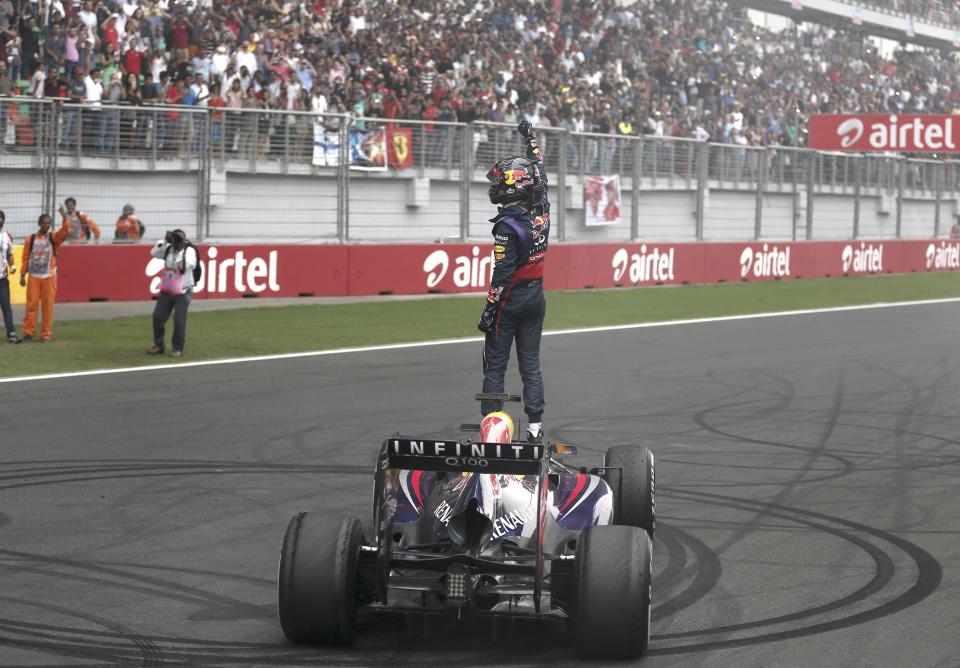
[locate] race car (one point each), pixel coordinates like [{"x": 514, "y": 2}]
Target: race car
[{"x": 493, "y": 527}]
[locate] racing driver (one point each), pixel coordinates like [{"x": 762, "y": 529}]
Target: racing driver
[{"x": 515, "y": 303}]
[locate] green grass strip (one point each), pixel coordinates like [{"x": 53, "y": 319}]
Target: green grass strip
[{"x": 120, "y": 342}]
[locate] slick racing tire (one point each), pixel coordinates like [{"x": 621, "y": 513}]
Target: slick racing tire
[
  {"x": 612, "y": 576},
  {"x": 318, "y": 579},
  {"x": 633, "y": 486}
]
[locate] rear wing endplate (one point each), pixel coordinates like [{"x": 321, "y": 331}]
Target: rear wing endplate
[{"x": 424, "y": 454}]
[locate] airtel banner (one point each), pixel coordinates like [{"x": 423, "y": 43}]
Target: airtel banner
[
  {"x": 125, "y": 273},
  {"x": 913, "y": 133}
]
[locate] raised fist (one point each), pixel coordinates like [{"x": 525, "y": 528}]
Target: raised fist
[{"x": 525, "y": 128}]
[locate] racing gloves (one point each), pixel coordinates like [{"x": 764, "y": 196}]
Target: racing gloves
[
  {"x": 488, "y": 318},
  {"x": 525, "y": 128}
]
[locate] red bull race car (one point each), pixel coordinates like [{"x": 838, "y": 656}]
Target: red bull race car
[{"x": 492, "y": 527}]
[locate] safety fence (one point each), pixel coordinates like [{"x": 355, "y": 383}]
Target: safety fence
[{"x": 241, "y": 173}]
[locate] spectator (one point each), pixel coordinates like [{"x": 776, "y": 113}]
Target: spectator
[
  {"x": 81, "y": 226},
  {"x": 93, "y": 95},
  {"x": 39, "y": 262},
  {"x": 54, "y": 47},
  {"x": 53, "y": 84},
  {"x": 7, "y": 15},
  {"x": 7, "y": 267},
  {"x": 180, "y": 29},
  {"x": 71, "y": 53},
  {"x": 110, "y": 121},
  {"x": 36, "y": 87},
  {"x": 955, "y": 229},
  {"x": 29, "y": 42},
  {"x": 129, "y": 227},
  {"x": 176, "y": 290},
  {"x": 76, "y": 92}
]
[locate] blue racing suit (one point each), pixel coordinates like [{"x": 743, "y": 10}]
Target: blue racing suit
[{"x": 516, "y": 292}]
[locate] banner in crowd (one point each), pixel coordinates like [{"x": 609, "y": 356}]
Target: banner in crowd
[
  {"x": 913, "y": 133},
  {"x": 601, "y": 199},
  {"x": 326, "y": 146},
  {"x": 127, "y": 272},
  {"x": 399, "y": 147},
  {"x": 368, "y": 150}
]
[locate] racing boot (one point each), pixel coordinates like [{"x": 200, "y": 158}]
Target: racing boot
[{"x": 535, "y": 432}]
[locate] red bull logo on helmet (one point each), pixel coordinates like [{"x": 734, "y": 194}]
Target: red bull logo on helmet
[{"x": 512, "y": 176}]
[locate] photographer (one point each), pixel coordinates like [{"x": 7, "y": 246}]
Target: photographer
[{"x": 176, "y": 289}]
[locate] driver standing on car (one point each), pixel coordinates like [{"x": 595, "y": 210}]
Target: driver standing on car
[{"x": 515, "y": 303}]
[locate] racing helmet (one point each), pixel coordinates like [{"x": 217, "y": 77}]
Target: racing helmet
[
  {"x": 515, "y": 180},
  {"x": 496, "y": 427}
]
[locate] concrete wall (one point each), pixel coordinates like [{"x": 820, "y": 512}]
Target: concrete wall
[{"x": 406, "y": 206}]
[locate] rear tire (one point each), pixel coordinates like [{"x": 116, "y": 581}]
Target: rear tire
[
  {"x": 318, "y": 579},
  {"x": 633, "y": 486},
  {"x": 613, "y": 591}
]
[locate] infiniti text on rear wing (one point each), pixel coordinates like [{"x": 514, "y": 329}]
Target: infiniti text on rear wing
[{"x": 432, "y": 455}]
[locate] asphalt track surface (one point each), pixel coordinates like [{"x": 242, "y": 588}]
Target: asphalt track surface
[{"x": 807, "y": 481}]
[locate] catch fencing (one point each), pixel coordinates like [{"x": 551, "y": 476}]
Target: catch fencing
[{"x": 244, "y": 174}]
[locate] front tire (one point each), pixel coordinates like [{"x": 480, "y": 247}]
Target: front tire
[
  {"x": 633, "y": 486},
  {"x": 613, "y": 592},
  {"x": 318, "y": 579}
]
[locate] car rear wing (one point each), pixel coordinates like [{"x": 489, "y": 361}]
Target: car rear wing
[{"x": 427, "y": 454}]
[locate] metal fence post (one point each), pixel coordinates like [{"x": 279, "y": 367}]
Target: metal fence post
[
  {"x": 763, "y": 155},
  {"x": 49, "y": 115},
  {"x": 562, "y": 187},
  {"x": 703, "y": 161},
  {"x": 811, "y": 184},
  {"x": 635, "y": 190},
  {"x": 856, "y": 196},
  {"x": 939, "y": 196},
  {"x": 901, "y": 185},
  {"x": 466, "y": 176},
  {"x": 794, "y": 157},
  {"x": 204, "y": 158},
  {"x": 343, "y": 181}
]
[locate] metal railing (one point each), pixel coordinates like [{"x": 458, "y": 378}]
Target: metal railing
[{"x": 62, "y": 141}]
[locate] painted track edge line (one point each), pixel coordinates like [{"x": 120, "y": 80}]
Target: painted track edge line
[{"x": 475, "y": 339}]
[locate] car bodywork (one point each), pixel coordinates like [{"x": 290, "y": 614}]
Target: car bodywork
[{"x": 480, "y": 527}]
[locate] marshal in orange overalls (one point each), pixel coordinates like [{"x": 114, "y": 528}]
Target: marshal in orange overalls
[{"x": 39, "y": 262}]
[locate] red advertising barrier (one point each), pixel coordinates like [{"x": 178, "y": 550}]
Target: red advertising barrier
[
  {"x": 915, "y": 133},
  {"x": 125, "y": 273}
]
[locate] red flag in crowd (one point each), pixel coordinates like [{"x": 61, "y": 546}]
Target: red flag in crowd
[{"x": 399, "y": 147}]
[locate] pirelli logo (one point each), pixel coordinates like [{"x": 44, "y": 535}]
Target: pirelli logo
[{"x": 430, "y": 448}]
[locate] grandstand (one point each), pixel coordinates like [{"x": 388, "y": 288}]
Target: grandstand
[{"x": 256, "y": 87}]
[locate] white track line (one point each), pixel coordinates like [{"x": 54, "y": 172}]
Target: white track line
[{"x": 474, "y": 339}]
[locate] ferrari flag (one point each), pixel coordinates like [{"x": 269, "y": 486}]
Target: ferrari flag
[{"x": 399, "y": 147}]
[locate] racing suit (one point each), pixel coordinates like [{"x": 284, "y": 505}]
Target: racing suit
[{"x": 516, "y": 296}]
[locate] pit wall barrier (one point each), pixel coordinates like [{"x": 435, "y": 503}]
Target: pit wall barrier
[{"x": 128, "y": 273}]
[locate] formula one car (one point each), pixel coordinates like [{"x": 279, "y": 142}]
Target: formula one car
[{"x": 494, "y": 527}]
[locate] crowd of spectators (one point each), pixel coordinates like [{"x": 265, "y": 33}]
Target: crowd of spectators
[
  {"x": 684, "y": 68},
  {"x": 932, "y": 11}
]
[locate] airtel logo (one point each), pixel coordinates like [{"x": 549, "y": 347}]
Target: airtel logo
[
  {"x": 943, "y": 256},
  {"x": 765, "y": 263},
  {"x": 653, "y": 266},
  {"x": 470, "y": 271},
  {"x": 866, "y": 258},
  {"x": 850, "y": 132},
  {"x": 256, "y": 275}
]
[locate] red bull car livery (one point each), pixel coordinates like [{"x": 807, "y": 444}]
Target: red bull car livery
[{"x": 492, "y": 527}]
